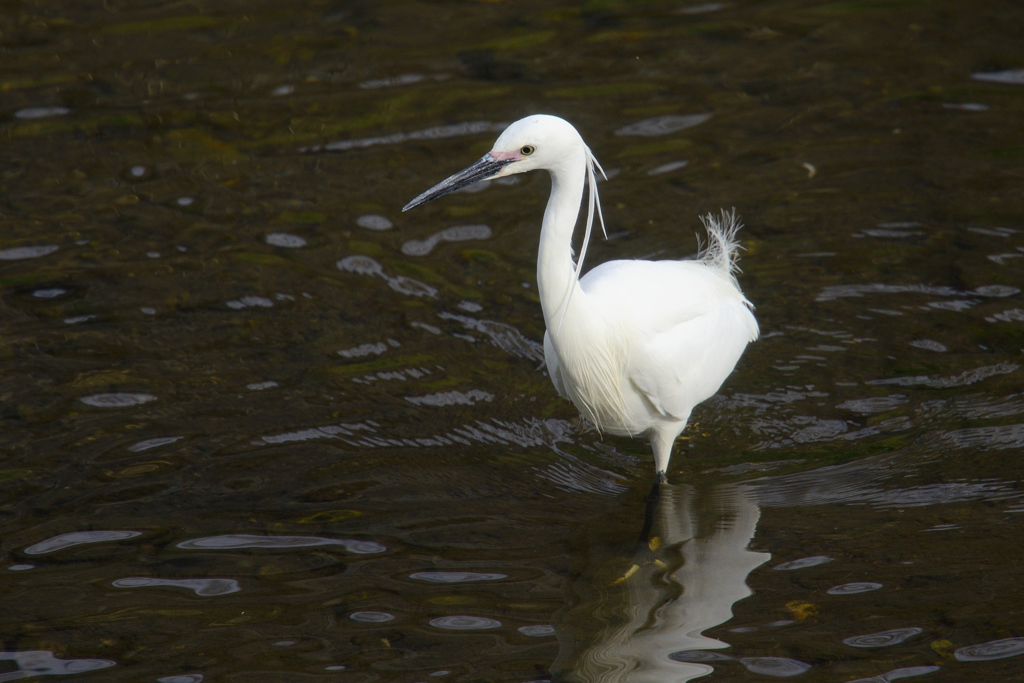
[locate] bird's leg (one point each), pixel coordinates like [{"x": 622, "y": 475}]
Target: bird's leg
[
  {"x": 651, "y": 506},
  {"x": 646, "y": 545},
  {"x": 662, "y": 440}
]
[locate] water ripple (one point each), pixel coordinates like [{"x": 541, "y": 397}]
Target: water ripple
[
  {"x": 802, "y": 563},
  {"x": 284, "y": 239},
  {"x": 994, "y": 649},
  {"x": 241, "y": 541},
  {"x": 325, "y": 432},
  {"x": 668, "y": 168},
  {"x": 364, "y": 265},
  {"x": 367, "y": 349},
  {"x": 505, "y": 337},
  {"x": 153, "y": 443},
  {"x": 459, "y": 233},
  {"x": 895, "y": 674},
  {"x": 851, "y": 588},
  {"x": 537, "y": 631},
  {"x": 43, "y": 663},
  {"x": 372, "y": 221},
  {"x": 118, "y": 400},
  {"x": 774, "y": 666},
  {"x": 929, "y": 345},
  {"x": 456, "y": 577},
  {"x": 371, "y": 617},
  {"x": 963, "y": 379},
  {"x": 465, "y": 623},
  {"x": 250, "y": 302},
  {"x": 436, "y": 133},
  {"x": 834, "y": 292},
  {"x": 882, "y": 638},
  {"x": 699, "y": 656},
  {"x": 869, "y": 406},
  {"x": 63, "y": 541},
  {"x": 662, "y": 125},
  {"x": 451, "y": 398},
  {"x": 984, "y": 438},
  {"x": 1008, "y": 77},
  {"x": 577, "y": 476},
  {"x": 19, "y": 253},
  {"x": 41, "y": 112},
  {"x": 203, "y": 587}
]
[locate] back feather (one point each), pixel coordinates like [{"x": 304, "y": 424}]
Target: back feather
[{"x": 723, "y": 246}]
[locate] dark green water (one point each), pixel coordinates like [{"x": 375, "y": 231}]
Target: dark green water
[{"x": 259, "y": 425}]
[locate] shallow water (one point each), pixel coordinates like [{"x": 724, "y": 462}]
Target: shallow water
[{"x": 259, "y": 425}]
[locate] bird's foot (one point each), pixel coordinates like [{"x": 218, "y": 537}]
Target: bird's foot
[{"x": 644, "y": 556}]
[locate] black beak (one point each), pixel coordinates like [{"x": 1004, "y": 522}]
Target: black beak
[{"x": 487, "y": 167}]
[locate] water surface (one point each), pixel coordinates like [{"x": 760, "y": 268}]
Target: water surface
[{"x": 259, "y": 425}]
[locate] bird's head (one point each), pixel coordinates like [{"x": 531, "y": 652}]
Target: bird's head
[{"x": 536, "y": 142}]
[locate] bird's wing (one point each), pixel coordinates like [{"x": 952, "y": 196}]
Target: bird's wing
[{"x": 687, "y": 363}]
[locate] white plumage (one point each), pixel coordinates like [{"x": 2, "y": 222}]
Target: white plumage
[{"x": 635, "y": 345}]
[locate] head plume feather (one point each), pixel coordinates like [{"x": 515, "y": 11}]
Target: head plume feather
[{"x": 593, "y": 202}]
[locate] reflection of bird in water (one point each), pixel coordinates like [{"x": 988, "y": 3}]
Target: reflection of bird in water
[
  {"x": 694, "y": 572},
  {"x": 634, "y": 344}
]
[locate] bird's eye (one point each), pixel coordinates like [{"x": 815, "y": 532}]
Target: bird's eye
[{"x": 527, "y": 150}]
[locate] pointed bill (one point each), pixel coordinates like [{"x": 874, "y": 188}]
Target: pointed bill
[{"x": 486, "y": 167}]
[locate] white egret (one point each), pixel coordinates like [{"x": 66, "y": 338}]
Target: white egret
[{"x": 635, "y": 345}]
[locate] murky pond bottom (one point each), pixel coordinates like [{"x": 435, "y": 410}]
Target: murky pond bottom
[{"x": 259, "y": 425}]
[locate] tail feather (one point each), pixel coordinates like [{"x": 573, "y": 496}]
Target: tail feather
[{"x": 723, "y": 247}]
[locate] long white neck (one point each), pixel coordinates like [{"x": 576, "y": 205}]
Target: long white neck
[{"x": 555, "y": 275}]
